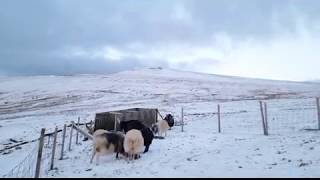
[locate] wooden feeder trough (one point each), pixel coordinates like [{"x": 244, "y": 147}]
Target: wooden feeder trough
[{"x": 107, "y": 120}]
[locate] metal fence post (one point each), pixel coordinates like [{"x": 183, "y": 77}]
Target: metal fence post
[
  {"x": 266, "y": 118},
  {"x": 182, "y": 119},
  {"x": 219, "y": 125},
  {"x": 318, "y": 112}
]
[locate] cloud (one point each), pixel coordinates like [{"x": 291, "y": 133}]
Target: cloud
[{"x": 250, "y": 38}]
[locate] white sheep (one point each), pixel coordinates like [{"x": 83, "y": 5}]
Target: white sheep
[
  {"x": 161, "y": 127},
  {"x": 133, "y": 144}
]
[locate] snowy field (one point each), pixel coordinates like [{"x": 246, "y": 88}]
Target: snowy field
[{"x": 29, "y": 103}]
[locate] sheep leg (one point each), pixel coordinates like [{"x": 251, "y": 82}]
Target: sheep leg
[
  {"x": 137, "y": 156},
  {"x": 129, "y": 157},
  {"x": 97, "y": 159},
  {"x": 146, "y": 149},
  {"x": 93, "y": 154}
]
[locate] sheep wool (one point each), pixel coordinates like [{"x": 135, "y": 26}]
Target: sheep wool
[{"x": 133, "y": 143}]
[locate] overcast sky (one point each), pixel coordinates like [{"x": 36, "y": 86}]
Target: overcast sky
[{"x": 275, "y": 39}]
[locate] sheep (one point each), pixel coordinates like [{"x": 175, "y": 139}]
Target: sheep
[
  {"x": 160, "y": 127},
  {"x": 147, "y": 134},
  {"x": 133, "y": 144},
  {"x": 170, "y": 120},
  {"x": 106, "y": 142},
  {"x": 132, "y": 124},
  {"x": 99, "y": 143}
]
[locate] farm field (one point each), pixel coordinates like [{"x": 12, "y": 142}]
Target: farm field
[{"x": 28, "y": 104}]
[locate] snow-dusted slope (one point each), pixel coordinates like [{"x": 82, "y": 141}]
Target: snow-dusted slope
[{"x": 29, "y": 103}]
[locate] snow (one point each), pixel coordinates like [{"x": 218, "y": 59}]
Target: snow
[
  {"x": 29, "y": 103},
  {"x": 201, "y": 152}
]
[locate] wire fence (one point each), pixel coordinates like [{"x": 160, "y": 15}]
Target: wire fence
[
  {"x": 282, "y": 116},
  {"x": 26, "y": 168},
  {"x": 292, "y": 115}
]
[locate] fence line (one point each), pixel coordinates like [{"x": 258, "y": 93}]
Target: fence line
[
  {"x": 26, "y": 167},
  {"x": 278, "y": 116}
]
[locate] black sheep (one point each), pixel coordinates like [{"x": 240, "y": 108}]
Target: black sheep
[
  {"x": 170, "y": 120},
  {"x": 148, "y": 137},
  {"x": 104, "y": 138},
  {"x": 145, "y": 131},
  {"x": 132, "y": 124},
  {"x": 116, "y": 139}
]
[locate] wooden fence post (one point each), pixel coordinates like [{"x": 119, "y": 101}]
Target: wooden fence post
[
  {"x": 70, "y": 139},
  {"x": 77, "y": 136},
  {"x": 156, "y": 117},
  {"x": 92, "y": 124},
  {"x": 318, "y": 110},
  {"x": 54, "y": 148},
  {"x": 219, "y": 125},
  {"x": 41, "y": 141},
  {"x": 48, "y": 141},
  {"x": 266, "y": 118},
  {"x": 81, "y": 131},
  {"x": 63, "y": 140},
  {"x": 182, "y": 119},
  {"x": 262, "y": 117}
]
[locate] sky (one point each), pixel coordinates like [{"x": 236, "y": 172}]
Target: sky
[{"x": 271, "y": 39}]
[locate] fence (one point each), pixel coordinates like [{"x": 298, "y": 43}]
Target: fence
[
  {"x": 252, "y": 117},
  {"x": 46, "y": 150},
  {"x": 269, "y": 117},
  {"x": 26, "y": 168}
]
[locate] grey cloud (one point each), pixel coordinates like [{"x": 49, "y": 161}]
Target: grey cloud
[
  {"x": 34, "y": 32},
  {"x": 31, "y": 64}
]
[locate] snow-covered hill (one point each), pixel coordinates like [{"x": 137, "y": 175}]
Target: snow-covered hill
[{"x": 29, "y": 103}]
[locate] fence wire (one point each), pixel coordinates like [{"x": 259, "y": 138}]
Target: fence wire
[
  {"x": 240, "y": 117},
  {"x": 283, "y": 115},
  {"x": 291, "y": 115},
  {"x": 27, "y": 167}
]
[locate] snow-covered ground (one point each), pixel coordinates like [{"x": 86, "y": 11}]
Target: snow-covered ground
[{"x": 29, "y": 103}]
